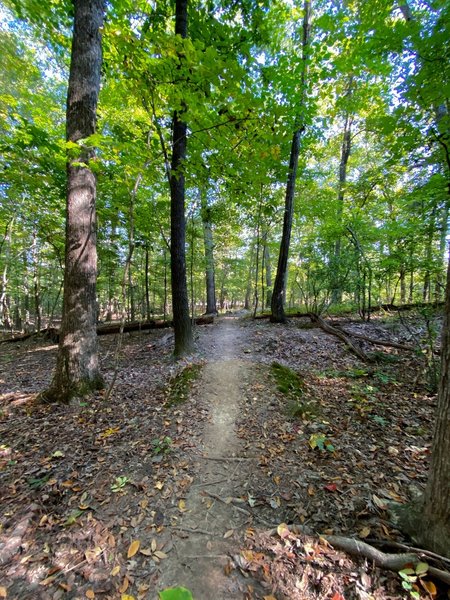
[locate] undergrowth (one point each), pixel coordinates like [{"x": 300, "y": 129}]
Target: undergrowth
[
  {"x": 291, "y": 384},
  {"x": 180, "y": 384}
]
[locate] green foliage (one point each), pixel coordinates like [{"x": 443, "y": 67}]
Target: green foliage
[
  {"x": 288, "y": 381},
  {"x": 119, "y": 484},
  {"x": 180, "y": 385},
  {"x": 321, "y": 442},
  {"x": 178, "y": 593},
  {"x": 162, "y": 445}
]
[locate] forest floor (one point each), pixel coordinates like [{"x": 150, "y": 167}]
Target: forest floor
[{"x": 190, "y": 472}]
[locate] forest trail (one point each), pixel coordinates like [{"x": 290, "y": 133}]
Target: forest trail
[{"x": 200, "y": 558}]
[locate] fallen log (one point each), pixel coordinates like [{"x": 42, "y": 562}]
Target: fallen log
[
  {"x": 339, "y": 334},
  {"x": 107, "y": 329}
]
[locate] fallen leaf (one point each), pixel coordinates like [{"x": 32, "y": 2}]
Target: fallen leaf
[
  {"x": 159, "y": 485},
  {"x": 228, "y": 533},
  {"x": 430, "y": 587},
  {"x": 283, "y": 531},
  {"x": 90, "y": 594},
  {"x": 331, "y": 487},
  {"x": 123, "y": 588},
  {"x": 160, "y": 555},
  {"x": 3, "y": 592},
  {"x": 146, "y": 551},
  {"x": 379, "y": 502},
  {"x": 115, "y": 571},
  {"x": 134, "y": 547},
  {"x": 364, "y": 532}
]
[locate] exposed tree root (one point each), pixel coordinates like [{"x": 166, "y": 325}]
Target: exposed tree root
[{"x": 392, "y": 562}]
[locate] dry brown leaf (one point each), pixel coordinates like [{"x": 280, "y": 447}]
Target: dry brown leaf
[
  {"x": 430, "y": 587},
  {"x": 3, "y": 592},
  {"x": 228, "y": 533},
  {"x": 146, "y": 551},
  {"x": 90, "y": 594},
  {"x": 134, "y": 547},
  {"x": 160, "y": 555}
]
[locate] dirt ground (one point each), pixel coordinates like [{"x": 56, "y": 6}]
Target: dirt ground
[{"x": 223, "y": 487}]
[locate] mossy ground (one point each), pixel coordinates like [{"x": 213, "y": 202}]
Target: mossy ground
[
  {"x": 292, "y": 385},
  {"x": 180, "y": 385}
]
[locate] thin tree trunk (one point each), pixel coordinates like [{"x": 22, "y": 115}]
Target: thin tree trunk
[
  {"x": 279, "y": 288},
  {"x": 180, "y": 303},
  {"x": 36, "y": 284},
  {"x": 211, "y": 307},
  {"x": 336, "y": 295},
  {"x": 268, "y": 270},
  {"x": 77, "y": 370},
  {"x": 147, "y": 285}
]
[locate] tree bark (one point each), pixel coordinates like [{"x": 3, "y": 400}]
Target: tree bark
[
  {"x": 211, "y": 307},
  {"x": 336, "y": 294},
  {"x": 436, "y": 517},
  {"x": 77, "y": 370},
  {"x": 180, "y": 302},
  {"x": 279, "y": 288}
]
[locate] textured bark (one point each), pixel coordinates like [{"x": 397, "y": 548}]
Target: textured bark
[
  {"x": 211, "y": 307},
  {"x": 77, "y": 371},
  {"x": 436, "y": 517},
  {"x": 180, "y": 303},
  {"x": 336, "y": 296},
  {"x": 279, "y": 288}
]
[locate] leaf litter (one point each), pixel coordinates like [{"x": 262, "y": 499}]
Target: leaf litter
[{"x": 90, "y": 506}]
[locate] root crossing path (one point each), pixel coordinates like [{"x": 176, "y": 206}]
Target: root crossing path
[{"x": 212, "y": 523}]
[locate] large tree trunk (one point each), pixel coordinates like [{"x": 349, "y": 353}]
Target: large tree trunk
[
  {"x": 428, "y": 521},
  {"x": 77, "y": 371},
  {"x": 279, "y": 288},
  {"x": 180, "y": 303},
  {"x": 268, "y": 270}
]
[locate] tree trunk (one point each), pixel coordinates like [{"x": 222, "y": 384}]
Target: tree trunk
[
  {"x": 336, "y": 294},
  {"x": 180, "y": 303},
  {"x": 77, "y": 370},
  {"x": 211, "y": 307},
  {"x": 147, "y": 284},
  {"x": 428, "y": 522},
  {"x": 268, "y": 270},
  {"x": 279, "y": 288}
]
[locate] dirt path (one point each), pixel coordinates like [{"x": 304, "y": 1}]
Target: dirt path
[{"x": 200, "y": 558}]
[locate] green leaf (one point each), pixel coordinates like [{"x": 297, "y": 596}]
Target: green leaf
[{"x": 178, "y": 593}]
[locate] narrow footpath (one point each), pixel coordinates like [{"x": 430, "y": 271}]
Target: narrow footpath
[{"x": 209, "y": 527}]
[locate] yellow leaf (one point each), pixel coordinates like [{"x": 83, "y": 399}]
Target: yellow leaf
[
  {"x": 364, "y": 532},
  {"x": 90, "y": 594},
  {"x": 115, "y": 571},
  {"x": 126, "y": 597},
  {"x": 3, "y": 592},
  {"x": 159, "y": 485},
  {"x": 134, "y": 547},
  {"x": 430, "y": 587},
  {"x": 182, "y": 505},
  {"x": 283, "y": 530}
]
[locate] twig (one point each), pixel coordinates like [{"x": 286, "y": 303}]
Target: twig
[
  {"x": 191, "y": 530},
  {"x": 228, "y": 459},
  {"x": 238, "y": 508},
  {"x": 208, "y": 483}
]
